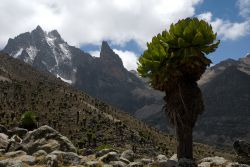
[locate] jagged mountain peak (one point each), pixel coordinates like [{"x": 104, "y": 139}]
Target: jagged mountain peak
[
  {"x": 55, "y": 33},
  {"x": 39, "y": 28},
  {"x": 38, "y": 31},
  {"x": 108, "y": 56}
]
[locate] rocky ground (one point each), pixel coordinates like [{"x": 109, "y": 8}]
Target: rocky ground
[{"x": 47, "y": 147}]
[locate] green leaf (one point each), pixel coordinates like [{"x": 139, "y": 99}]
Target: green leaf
[
  {"x": 182, "y": 43},
  {"x": 198, "y": 39}
]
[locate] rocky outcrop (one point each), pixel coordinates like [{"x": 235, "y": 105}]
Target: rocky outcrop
[
  {"x": 48, "y": 139},
  {"x": 47, "y": 147}
]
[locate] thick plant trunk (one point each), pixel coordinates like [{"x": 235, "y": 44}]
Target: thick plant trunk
[
  {"x": 184, "y": 142},
  {"x": 183, "y": 106}
]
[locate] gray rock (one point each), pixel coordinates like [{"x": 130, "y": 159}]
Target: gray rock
[
  {"x": 2, "y": 151},
  {"x": 237, "y": 165},
  {"x": 242, "y": 148},
  {"x": 15, "y": 154},
  {"x": 104, "y": 151},
  {"x": 161, "y": 157},
  {"x": 18, "y": 131},
  {"x": 216, "y": 161},
  {"x": 48, "y": 139},
  {"x": 94, "y": 164},
  {"x": 111, "y": 156},
  {"x": 27, "y": 159},
  {"x": 11, "y": 163},
  {"x": 40, "y": 153},
  {"x": 183, "y": 162},
  {"x": 124, "y": 160},
  {"x": 51, "y": 160},
  {"x": 174, "y": 157},
  {"x": 145, "y": 161},
  {"x": 14, "y": 143},
  {"x": 67, "y": 158},
  {"x": 4, "y": 141},
  {"x": 87, "y": 152},
  {"x": 129, "y": 155},
  {"x": 135, "y": 164},
  {"x": 3, "y": 129},
  {"x": 165, "y": 163},
  {"x": 118, "y": 164}
]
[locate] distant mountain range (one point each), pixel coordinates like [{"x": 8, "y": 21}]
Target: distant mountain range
[{"x": 225, "y": 86}]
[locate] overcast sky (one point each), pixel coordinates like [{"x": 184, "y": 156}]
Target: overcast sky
[{"x": 126, "y": 24}]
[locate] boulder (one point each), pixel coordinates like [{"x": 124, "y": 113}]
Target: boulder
[
  {"x": 3, "y": 129},
  {"x": 15, "y": 154},
  {"x": 129, "y": 155},
  {"x": 174, "y": 157},
  {"x": 21, "y": 132},
  {"x": 161, "y": 157},
  {"x": 146, "y": 161},
  {"x": 242, "y": 148},
  {"x": 184, "y": 162},
  {"x": 87, "y": 152},
  {"x": 11, "y": 163},
  {"x": 48, "y": 139},
  {"x": 135, "y": 164},
  {"x": 213, "y": 161},
  {"x": 94, "y": 164},
  {"x": 66, "y": 158},
  {"x": 237, "y": 165},
  {"x": 111, "y": 156},
  {"x": 2, "y": 151},
  {"x": 14, "y": 143},
  {"x": 27, "y": 159},
  {"x": 39, "y": 153},
  {"x": 4, "y": 141},
  {"x": 51, "y": 160},
  {"x": 118, "y": 164},
  {"x": 104, "y": 151},
  {"x": 124, "y": 160}
]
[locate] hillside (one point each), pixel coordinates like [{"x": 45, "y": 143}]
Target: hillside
[{"x": 86, "y": 121}]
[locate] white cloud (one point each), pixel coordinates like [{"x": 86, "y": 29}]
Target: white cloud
[
  {"x": 91, "y": 21},
  {"x": 244, "y": 7},
  {"x": 129, "y": 59},
  {"x": 226, "y": 29},
  {"x": 95, "y": 53}
]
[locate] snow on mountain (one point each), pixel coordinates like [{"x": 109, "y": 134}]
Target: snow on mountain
[
  {"x": 18, "y": 53},
  {"x": 64, "y": 80},
  {"x": 46, "y": 51},
  {"x": 32, "y": 52}
]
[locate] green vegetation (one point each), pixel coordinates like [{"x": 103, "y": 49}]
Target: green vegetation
[
  {"x": 106, "y": 146},
  {"x": 28, "y": 121},
  {"x": 173, "y": 62}
]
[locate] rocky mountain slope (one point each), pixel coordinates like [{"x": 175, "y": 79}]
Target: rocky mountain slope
[
  {"x": 88, "y": 122},
  {"x": 104, "y": 78},
  {"x": 47, "y": 147}
]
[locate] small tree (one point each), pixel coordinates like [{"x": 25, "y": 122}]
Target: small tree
[
  {"x": 28, "y": 121},
  {"x": 173, "y": 62}
]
